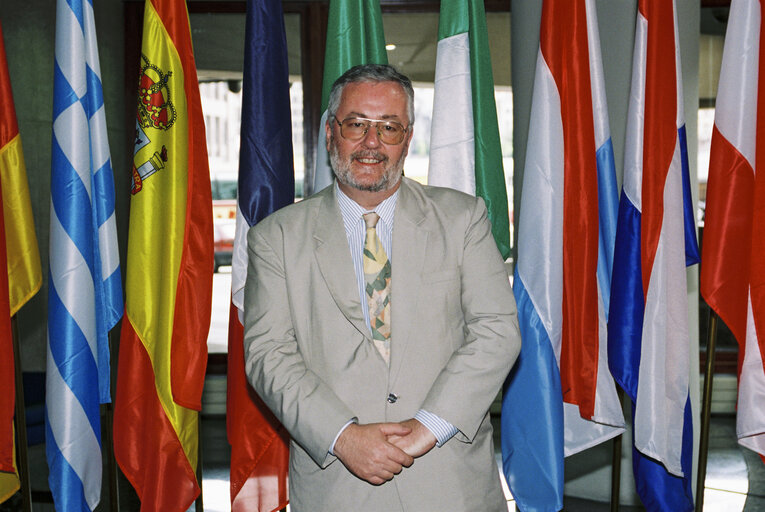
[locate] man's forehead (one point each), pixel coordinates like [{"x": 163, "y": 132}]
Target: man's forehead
[{"x": 381, "y": 99}]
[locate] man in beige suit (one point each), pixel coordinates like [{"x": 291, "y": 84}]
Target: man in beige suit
[{"x": 422, "y": 389}]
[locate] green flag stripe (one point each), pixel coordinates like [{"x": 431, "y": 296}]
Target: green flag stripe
[
  {"x": 489, "y": 171},
  {"x": 453, "y": 19},
  {"x": 354, "y": 36}
]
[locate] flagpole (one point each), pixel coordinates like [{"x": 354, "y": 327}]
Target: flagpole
[
  {"x": 111, "y": 461},
  {"x": 22, "y": 461},
  {"x": 199, "y": 501},
  {"x": 706, "y": 412},
  {"x": 616, "y": 463}
]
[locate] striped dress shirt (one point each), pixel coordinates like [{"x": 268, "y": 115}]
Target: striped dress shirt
[{"x": 355, "y": 230}]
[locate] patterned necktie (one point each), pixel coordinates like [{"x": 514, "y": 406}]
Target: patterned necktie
[{"x": 377, "y": 278}]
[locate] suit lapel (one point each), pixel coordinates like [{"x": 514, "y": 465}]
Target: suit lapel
[
  {"x": 334, "y": 260},
  {"x": 409, "y": 244}
]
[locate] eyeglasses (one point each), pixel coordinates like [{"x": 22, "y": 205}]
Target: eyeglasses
[{"x": 355, "y": 128}]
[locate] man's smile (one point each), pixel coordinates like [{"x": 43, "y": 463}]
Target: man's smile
[{"x": 369, "y": 158}]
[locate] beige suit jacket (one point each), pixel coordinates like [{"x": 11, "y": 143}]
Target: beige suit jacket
[{"x": 455, "y": 336}]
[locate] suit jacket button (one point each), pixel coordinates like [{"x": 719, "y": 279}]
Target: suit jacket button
[{"x": 392, "y": 398}]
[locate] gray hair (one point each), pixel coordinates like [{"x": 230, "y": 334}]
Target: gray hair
[{"x": 371, "y": 73}]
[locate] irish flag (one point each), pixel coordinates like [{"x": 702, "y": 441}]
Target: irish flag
[
  {"x": 163, "y": 346},
  {"x": 465, "y": 153}
]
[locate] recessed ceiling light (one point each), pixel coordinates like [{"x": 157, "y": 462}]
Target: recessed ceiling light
[{"x": 390, "y": 47}]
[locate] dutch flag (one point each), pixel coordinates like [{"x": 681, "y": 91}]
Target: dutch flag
[{"x": 648, "y": 345}]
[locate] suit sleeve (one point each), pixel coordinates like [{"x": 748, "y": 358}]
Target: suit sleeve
[
  {"x": 306, "y": 406},
  {"x": 465, "y": 388}
]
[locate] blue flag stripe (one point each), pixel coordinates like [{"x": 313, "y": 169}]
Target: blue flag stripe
[
  {"x": 689, "y": 218},
  {"x": 534, "y": 382},
  {"x": 659, "y": 490},
  {"x": 65, "y": 95},
  {"x": 266, "y": 171},
  {"x": 608, "y": 206},
  {"x": 95, "y": 97},
  {"x": 625, "y": 326},
  {"x": 103, "y": 179}
]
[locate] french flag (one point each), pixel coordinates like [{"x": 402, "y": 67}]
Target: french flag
[
  {"x": 733, "y": 266},
  {"x": 259, "y": 443},
  {"x": 560, "y": 398},
  {"x": 648, "y": 341}
]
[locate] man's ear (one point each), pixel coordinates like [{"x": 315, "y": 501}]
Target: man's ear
[
  {"x": 328, "y": 132},
  {"x": 408, "y": 139}
]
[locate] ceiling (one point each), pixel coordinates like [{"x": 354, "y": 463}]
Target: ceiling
[{"x": 219, "y": 44}]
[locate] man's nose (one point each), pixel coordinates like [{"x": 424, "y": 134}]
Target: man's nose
[{"x": 371, "y": 138}]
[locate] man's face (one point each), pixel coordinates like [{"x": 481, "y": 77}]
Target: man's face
[{"x": 368, "y": 164}]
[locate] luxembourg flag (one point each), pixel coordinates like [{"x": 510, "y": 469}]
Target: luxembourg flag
[
  {"x": 648, "y": 342},
  {"x": 733, "y": 269},
  {"x": 560, "y": 398}
]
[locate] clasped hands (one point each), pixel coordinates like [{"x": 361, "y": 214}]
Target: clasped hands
[{"x": 375, "y": 452}]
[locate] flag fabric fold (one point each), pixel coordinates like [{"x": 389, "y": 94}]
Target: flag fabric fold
[
  {"x": 648, "y": 345},
  {"x": 9, "y": 478},
  {"x": 84, "y": 284},
  {"x": 19, "y": 254},
  {"x": 354, "y": 36},
  {"x": 465, "y": 152},
  {"x": 163, "y": 343},
  {"x": 259, "y": 443},
  {"x": 733, "y": 268},
  {"x": 24, "y": 270},
  {"x": 560, "y": 398}
]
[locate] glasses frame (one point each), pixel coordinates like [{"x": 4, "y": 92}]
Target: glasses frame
[{"x": 376, "y": 123}]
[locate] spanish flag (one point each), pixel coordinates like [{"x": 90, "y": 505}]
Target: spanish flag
[
  {"x": 163, "y": 345},
  {"x": 18, "y": 250}
]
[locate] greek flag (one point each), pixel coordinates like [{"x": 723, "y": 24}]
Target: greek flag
[{"x": 84, "y": 287}]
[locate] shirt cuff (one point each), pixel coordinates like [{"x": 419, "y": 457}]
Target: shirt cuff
[
  {"x": 332, "y": 446},
  {"x": 442, "y": 429}
]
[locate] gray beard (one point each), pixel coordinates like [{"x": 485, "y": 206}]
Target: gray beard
[{"x": 342, "y": 171}]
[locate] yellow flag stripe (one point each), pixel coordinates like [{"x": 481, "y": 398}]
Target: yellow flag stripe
[{"x": 24, "y": 270}]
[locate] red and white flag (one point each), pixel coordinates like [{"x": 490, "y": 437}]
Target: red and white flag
[{"x": 733, "y": 266}]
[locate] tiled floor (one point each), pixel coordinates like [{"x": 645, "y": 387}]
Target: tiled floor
[{"x": 735, "y": 479}]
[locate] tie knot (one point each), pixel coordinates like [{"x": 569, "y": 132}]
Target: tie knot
[{"x": 370, "y": 219}]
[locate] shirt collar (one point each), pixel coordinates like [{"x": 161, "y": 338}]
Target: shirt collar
[{"x": 352, "y": 210}]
